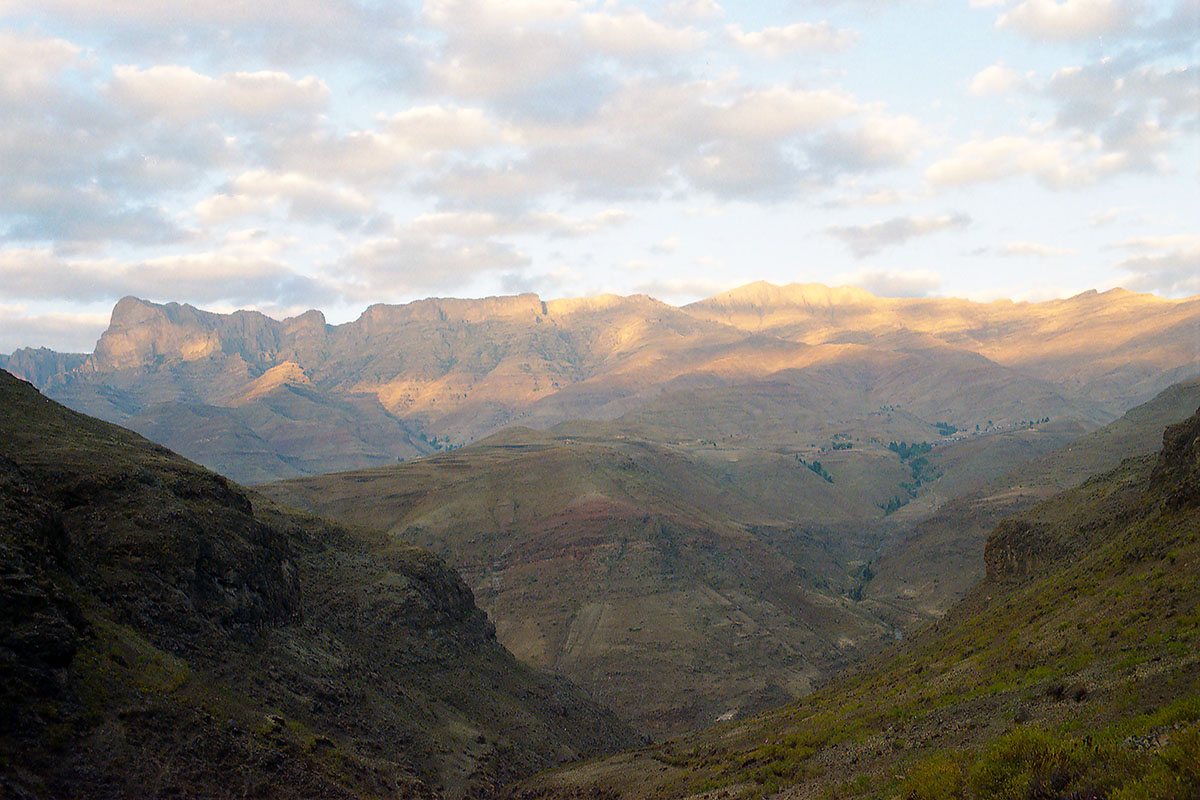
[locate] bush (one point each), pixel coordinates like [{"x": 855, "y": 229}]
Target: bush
[
  {"x": 937, "y": 778},
  {"x": 1026, "y": 764}
]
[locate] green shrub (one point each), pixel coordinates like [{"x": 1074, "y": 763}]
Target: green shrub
[
  {"x": 939, "y": 777},
  {"x": 1026, "y": 764}
]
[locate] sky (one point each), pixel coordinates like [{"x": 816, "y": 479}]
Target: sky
[{"x": 333, "y": 154}]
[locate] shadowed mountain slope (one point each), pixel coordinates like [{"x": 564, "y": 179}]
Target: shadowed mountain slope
[
  {"x": 1072, "y": 670},
  {"x": 165, "y": 633}
]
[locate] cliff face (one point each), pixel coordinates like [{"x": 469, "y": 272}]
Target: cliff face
[{"x": 152, "y": 612}]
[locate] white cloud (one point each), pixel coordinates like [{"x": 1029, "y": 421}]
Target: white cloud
[
  {"x": 891, "y": 283},
  {"x": 665, "y": 247},
  {"x": 1033, "y": 249},
  {"x": 298, "y": 196},
  {"x": 397, "y": 265},
  {"x": 633, "y": 35},
  {"x": 29, "y": 65},
  {"x": 693, "y": 10},
  {"x": 1058, "y": 164},
  {"x": 864, "y": 240},
  {"x": 482, "y": 224},
  {"x": 1167, "y": 265},
  {"x": 1070, "y": 19},
  {"x": 800, "y": 37},
  {"x": 683, "y": 290},
  {"x": 66, "y": 332},
  {"x": 246, "y": 273},
  {"x": 182, "y": 94},
  {"x": 996, "y": 79}
]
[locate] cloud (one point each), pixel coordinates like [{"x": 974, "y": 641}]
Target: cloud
[
  {"x": 482, "y": 224},
  {"x": 240, "y": 274},
  {"x": 665, "y": 247},
  {"x": 1137, "y": 113},
  {"x": 184, "y": 95},
  {"x": 683, "y": 290},
  {"x": 800, "y": 37},
  {"x": 1033, "y": 249},
  {"x": 693, "y": 10},
  {"x": 299, "y": 197},
  {"x": 1109, "y": 215},
  {"x": 397, "y": 265},
  {"x": 632, "y": 35},
  {"x": 1070, "y": 19},
  {"x": 996, "y": 79},
  {"x": 300, "y": 30},
  {"x": 65, "y": 332},
  {"x": 865, "y": 240},
  {"x": 29, "y": 65},
  {"x": 891, "y": 283},
  {"x": 1055, "y": 163},
  {"x": 1165, "y": 265}
]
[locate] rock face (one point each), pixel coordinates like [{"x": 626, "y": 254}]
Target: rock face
[
  {"x": 154, "y": 613},
  {"x": 798, "y": 364},
  {"x": 1178, "y": 467}
]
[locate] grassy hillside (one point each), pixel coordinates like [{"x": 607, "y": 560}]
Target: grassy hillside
[
  {"x": 1072, "y": 670},
  {"x": 165, "y": 633}
]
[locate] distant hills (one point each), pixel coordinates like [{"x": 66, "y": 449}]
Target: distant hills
[
  {"x": 165, "y": 632},
  {"x": 762, "y": 366}
]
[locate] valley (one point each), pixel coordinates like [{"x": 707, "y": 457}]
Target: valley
[{"x": 745, "y": 512}]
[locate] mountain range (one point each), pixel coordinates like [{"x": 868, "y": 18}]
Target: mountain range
[{"x": 762, "y": 366}]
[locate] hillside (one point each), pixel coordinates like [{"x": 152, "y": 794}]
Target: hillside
[
  {"x": 618, "y": 562},
  {"x": 163, "y": 632},
  {"x": 1071, "y": 670},
  {"x": 260, "y": 399},
  {"x": 931, "y": 563},
  {"x": 743, "y": 575}
]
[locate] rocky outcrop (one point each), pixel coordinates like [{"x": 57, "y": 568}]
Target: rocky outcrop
[
  {"x": 1016, "y": 550},
  {"x": 1177, "y": 472}
]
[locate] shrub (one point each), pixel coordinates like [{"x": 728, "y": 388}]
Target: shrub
[{"x": 939, "y": 777}]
